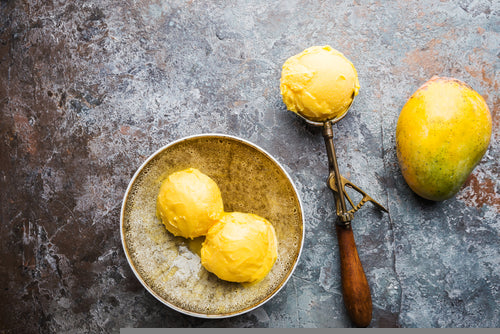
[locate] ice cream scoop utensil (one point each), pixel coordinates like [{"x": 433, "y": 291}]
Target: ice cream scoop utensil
[{"x": 355, "y": 289}]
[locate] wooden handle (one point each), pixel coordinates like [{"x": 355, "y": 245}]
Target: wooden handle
[{"x": 355, "y": 289}]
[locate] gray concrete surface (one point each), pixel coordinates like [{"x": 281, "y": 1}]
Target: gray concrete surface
[{"x": 89, "y": 89}]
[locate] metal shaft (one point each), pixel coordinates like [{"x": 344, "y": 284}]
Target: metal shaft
[{"x": 334, "y": 169}]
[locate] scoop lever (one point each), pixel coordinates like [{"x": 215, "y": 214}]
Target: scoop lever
[{"x": 345, "y": 182}]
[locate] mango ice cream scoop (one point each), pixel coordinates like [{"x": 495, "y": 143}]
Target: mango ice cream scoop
[
  {"x": 319, "y": 83},
  {"x": 241, "y": 247},
  {"x": 189, "y": 203}
]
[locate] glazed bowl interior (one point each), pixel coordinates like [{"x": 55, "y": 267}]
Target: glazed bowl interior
[{"x": 169, "y": 267}]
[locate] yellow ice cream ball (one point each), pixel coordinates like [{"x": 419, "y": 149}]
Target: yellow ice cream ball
[
  {"x": 241, "y": 247},
  {"x": 189, "y": 203},
  {"x": 319, "y": 83}
]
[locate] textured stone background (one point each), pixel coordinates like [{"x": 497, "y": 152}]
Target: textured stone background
[{"x": 89, "y": 89}]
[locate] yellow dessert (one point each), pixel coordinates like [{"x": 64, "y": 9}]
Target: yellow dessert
[
  {"x": 189, "y": 203},
  {"x": 241, "y": 247},
  {"x": 319, "y": 83}
]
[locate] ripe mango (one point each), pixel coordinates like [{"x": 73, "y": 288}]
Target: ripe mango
[{"x": 442, "y": 133}]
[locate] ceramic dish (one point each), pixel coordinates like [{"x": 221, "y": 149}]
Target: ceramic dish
[{"x": 169, "y": 267}]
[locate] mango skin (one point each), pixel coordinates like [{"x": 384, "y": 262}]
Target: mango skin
[{"x": 442, "y": 133}]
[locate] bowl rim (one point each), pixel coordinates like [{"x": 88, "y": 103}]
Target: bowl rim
[{"x": 135, "y": 271}]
